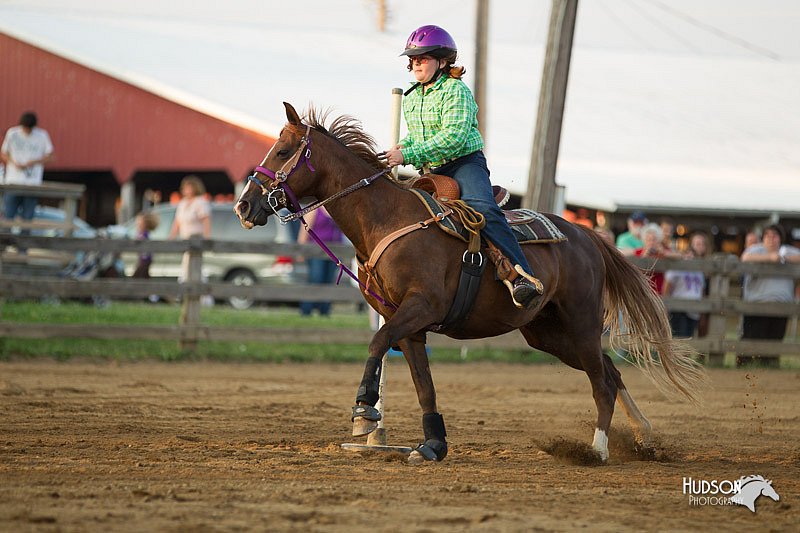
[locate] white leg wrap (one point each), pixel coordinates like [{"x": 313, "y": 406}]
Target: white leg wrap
[{"x": 600, "y": 443}]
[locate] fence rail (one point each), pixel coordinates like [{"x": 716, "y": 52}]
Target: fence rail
[{"x": 721, "y": 304}]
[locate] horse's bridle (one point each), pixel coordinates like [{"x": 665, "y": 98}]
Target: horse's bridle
[{"x": 277, "y": 191}]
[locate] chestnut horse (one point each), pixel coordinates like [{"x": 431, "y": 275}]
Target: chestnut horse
[{"x": 589, "y": 285}]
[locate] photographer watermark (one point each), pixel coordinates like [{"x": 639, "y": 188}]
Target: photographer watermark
[{"x": 742, "y": 491}]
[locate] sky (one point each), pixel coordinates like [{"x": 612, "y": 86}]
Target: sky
[{"x": 679, "y": 103}]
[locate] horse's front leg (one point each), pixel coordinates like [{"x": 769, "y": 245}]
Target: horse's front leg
[
  {"x": 413, "y": 316},
  {"x": 434, "y": 448}
]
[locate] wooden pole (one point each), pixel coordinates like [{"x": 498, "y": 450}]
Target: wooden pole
[
  {"x": 481, "y": 47},
  {"x": 190, "y": 306},
  {"x": 382, "y": 15},
  {"x": 552, "y": 95}
]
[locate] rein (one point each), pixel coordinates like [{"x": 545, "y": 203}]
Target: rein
[{"x": 280, "y": 188}]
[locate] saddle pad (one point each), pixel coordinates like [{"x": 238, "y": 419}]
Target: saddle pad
[
  {"x": 539, "y": 230},
  {"x": 533, "y": 227}
]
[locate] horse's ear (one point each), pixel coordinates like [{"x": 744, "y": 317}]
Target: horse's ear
[{"x": 291, "y": 114}]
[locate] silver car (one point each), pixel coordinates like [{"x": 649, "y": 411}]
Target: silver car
[{"x": 237, "y": 268}]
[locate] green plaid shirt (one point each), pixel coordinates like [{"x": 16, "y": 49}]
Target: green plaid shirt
[{"x": 442, "y": 124}]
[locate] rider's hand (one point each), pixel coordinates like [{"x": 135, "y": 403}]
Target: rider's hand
[{"x": 394, "y": 157}]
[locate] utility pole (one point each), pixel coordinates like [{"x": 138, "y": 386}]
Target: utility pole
[
  {"x": 481, "y": 46},
  {"x": 541, "y": 192},
  {"x": 381, "y": 15}
]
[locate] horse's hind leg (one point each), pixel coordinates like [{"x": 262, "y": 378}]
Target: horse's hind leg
[
  {"x": 581, "y": 351},
  {"x": 604, "y": 391},
  {"x": 639, "y": 424}
]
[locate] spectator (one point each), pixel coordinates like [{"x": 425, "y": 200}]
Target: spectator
[
  {"x": 582, "y": 218},
  {"x": 602, "y": 228},
  {"x": 759, "y": 288},
  {"x": 26, "y": 149},
  {"x": 667, "y": 226},
  {"x": 321, "y": 271},
  {"x": 653, "y": 246},
  {"x": 193, "y": 213},
  {"x": 700, "y": 248},
  {"x": 687, "y": 285},
  {"x": 145, "y": 223},
  {"x": 631, "y": 240},
  {"x": 751, "y": 238},
  {"x": 192, "y": 219}
]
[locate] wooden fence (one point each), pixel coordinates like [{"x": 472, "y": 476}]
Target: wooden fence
[
  {"x": 722, "y": 303},
  {"x": 67, "y": 194}
]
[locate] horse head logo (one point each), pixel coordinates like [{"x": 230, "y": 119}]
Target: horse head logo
[{"x": 751, "y": 487}]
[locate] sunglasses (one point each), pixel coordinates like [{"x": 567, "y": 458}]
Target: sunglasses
[{"x": 422, "y": 60}]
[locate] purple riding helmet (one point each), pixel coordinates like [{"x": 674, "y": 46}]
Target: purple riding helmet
[{"x": 431, "y": 40}]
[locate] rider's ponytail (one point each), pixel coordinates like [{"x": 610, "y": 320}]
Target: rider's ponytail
[{"x": 455, "y": 72}]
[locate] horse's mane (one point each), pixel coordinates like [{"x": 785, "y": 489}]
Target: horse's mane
[
  {"x": 349, "y": 132},
  {"x": 745, "y": 480}
]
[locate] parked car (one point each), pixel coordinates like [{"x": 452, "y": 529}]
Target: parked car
[
  {"x": 53, "y": 216},
  {"x": 81, "y": 265},
  {"x": 237, "y": 268}
]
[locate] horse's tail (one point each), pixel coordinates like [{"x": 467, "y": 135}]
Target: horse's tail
[{"x": 669, "y": 364}]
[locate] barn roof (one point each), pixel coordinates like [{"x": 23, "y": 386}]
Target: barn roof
[
  {"x": 98, "y": 122},
  {"x": 694, "y": 109}
]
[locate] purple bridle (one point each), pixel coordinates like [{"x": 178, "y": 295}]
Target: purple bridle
[{"x": 278, "y": 191}]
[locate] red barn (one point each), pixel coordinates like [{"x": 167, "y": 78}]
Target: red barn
[{"x": 119, "y": 139}]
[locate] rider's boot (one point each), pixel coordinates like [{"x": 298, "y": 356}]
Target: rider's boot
[{"x": 525, "y": 289}]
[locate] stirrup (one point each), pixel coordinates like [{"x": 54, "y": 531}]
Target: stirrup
[{"x": 537, "y": 285}]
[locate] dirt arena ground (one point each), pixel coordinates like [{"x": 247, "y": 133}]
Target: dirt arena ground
[{"x": 249, "y": 447}]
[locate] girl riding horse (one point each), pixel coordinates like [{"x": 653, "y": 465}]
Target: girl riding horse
[{"x": 443, "y": 138}]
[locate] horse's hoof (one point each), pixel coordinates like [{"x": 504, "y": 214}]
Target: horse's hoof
[
  {"x": 415, "y": 458},
  {"x": 362, "y": 426},
  {"x": 365, "y": 420},
  {"x": 431, "y": 450}
]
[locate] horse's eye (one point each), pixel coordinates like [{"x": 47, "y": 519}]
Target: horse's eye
[{"x": 283, "y": 153}]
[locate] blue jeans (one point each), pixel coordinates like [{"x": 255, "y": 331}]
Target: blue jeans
[
  {"x": 14, "y": 203},
  {"x": 472, "y": 176},
  {"x": 320, "y": 272},
  {"x": 682, "y": 325}
]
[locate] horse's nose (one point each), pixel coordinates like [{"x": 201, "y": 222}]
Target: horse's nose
[{"x": 242, "y": 209}]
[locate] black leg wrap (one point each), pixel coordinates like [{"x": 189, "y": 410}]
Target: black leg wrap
[
  {"x": 368, "y": 390},
  {"x": 435, "y": 446}
]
